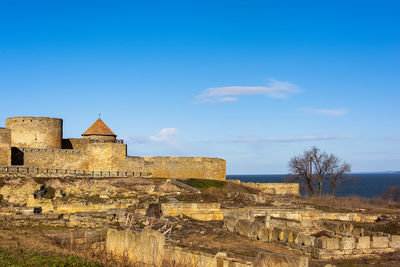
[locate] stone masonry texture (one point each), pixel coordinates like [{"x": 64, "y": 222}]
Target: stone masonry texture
[{"x": 38, "y": 142}]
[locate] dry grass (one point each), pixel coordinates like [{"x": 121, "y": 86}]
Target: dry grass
[
  {"x": 214, "y": 193},
  {"x": 328, "y": 203},
  {"x": 30, "y": 242},
  {"x": 384, "y": 260}
]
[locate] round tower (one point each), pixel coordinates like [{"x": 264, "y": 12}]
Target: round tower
[{"x": 35, "y": 132}]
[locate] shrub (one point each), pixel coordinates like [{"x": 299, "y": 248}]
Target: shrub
[
  {"x": 392, "y": 193},
  {"x": 50, "y": 193}
]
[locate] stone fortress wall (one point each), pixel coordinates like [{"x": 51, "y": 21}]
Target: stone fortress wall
[
  {"x": 5, "y": 146},
  {"x": 37, "y": 142}
]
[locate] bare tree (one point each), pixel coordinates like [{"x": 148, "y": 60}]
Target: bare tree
[
  {"x": 301, "y": 170},
  {"x": 337, "y": 175},
  {"x": 325, "y": 167}
]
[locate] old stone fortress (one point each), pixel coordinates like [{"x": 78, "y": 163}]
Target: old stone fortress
[{"x": 38, "y": 143}]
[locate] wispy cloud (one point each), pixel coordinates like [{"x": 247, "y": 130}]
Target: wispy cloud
[
  {"x": 292, "y": 139},
  {"x": 328, "y": 112},
  {"x": 274, "y": 89},
  {"x": 166, "y": 135},
  {"x": 392, "y": 138}
]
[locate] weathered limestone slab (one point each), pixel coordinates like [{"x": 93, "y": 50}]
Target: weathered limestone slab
[
  {"x": 320, "y": 242},
  {"x": 276, "y": 232},
  {"x": 198, "y": 211},
  {"x": 280, "y": 260},
  {"x": 230, "y": 223},
  {"x": 274, "y": 188},
  {"x": 305, "y": 240},
  {"x": 177, "y": 256},
  {"x": 363, "y": 242},
  {"x": 146, "y": 247},
  {"x": 332, "y": 243},
  {"x": 81, "y": 239},
  {"x": 81, "y": 207},
  {"x": 257, "y": 229},
  {"x": 395, "y": 241},
  {"x": 326, "y": 243},
  {"x": 380, "y": 242},
  {"x": 244, "y": 227},
  {"x": 347, "y": 243}
]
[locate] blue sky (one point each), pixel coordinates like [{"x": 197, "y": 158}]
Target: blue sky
[{"x": 253, "y": 82}]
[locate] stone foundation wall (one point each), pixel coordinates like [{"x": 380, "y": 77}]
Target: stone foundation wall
[
  {"x": 305, "y": 216},
  {"x": 145, "y": 247},
  {"x": 27, "y": 217},
  {"x": 290, "y": 233},
  {"x": 336, "y": 247},
  {"x": 177, "y": 256},
  {"x": 80, "y": 239},
  {"x": 149, "y": 247},
  {"x": 273, "y": 188},
  {"x": 198, "y": 211}
]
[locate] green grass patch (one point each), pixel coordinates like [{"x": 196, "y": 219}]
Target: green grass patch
[
  {"x": 203, "y": 184},
  {"x": 27, "y": 258},
  {"x": 124, "y": 197}
]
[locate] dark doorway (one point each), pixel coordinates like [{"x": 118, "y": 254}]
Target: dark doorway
[{"x": 17, "y": 156}]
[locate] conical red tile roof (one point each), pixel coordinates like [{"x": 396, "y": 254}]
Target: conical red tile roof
[{"x": 99, "y": 128}]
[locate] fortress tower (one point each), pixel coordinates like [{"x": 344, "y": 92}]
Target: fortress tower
[
  {"x": 100, "y": 132},
  {"x": 35, "y": 132}
]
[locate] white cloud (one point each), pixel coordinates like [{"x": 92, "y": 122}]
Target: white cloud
[
  {"x": 166, "y": 135},
  {"x": 274, "y": 89},
  {"x": 329, "y": 112},
  {"x": 293, "y": 139}
]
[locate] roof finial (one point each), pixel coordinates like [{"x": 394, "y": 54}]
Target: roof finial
[{"x": 99, "y": 115}]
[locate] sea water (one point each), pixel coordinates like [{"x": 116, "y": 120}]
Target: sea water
[{"x": 361, "y": 184}]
